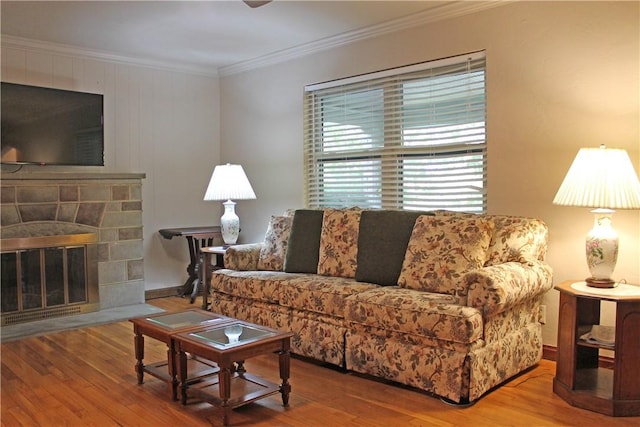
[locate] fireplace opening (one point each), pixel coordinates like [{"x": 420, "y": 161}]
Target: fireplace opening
[{"x": 48, "y": 276}]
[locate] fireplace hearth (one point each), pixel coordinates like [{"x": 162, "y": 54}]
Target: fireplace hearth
[{"x": 48, "y": 276}]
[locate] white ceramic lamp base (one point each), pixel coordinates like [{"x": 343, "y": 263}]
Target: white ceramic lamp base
[
  {"x": 230, "y": 224},
  {"x": 602, "y": 250}
]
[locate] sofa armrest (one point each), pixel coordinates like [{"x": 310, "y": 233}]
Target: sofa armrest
[
  {"x": 242, "y": 257},
  {"x": 495, "y": 288}
]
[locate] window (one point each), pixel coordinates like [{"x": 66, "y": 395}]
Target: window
[{"x": 408, "y": 138}]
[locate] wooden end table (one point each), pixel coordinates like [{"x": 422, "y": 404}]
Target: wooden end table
[
  {"x": 163, "y": 327},
  {"x": 197, "y": 237},
  {"x": 217, "y": 344},
  {"x": 579, "y": 380}
]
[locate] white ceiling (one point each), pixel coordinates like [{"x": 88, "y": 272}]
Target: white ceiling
[{"x": 211, "y": 35}]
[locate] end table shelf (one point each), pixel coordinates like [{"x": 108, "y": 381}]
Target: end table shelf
[{"x": 579, "y": 380}]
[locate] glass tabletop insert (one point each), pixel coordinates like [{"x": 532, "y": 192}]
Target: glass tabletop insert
[
  {"x": 231, "y": 335},
  {"x": 184, "y": 319}
]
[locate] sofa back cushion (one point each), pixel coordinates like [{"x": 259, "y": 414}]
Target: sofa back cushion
[
  {"x": 441, "y": 250},
  {"x": 274, "y": 247},
  {"x": 304, "y": 242},
  {"x": 339, "y": 242},
  {"x": 517, "y": 239},
  {"x": 382, "y": 243}
]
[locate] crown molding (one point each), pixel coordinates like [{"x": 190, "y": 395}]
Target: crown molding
[
  {"x": 75, "y": 51},
  {"x": 439, "y": 13}
]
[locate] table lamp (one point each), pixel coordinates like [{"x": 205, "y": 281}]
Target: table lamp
[
  {"x": 229, "y": 182},
  {"x": 604, "y": 179}
]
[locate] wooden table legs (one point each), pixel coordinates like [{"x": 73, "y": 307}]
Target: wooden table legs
[
  {"x": 138, "y": 344},
  {"x": 234, "y": 371},
  {"x": 285, "y": 367}
]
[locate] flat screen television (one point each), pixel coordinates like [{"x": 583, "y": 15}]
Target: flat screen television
[{"x": 47, "y": 126}]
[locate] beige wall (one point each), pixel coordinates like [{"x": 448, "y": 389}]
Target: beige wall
[{"x": 561, "y": 76}]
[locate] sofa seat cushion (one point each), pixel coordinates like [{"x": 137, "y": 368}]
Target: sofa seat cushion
[
  {"x": 261, "y": 313},
  {"x": 255, "y": 285},
  {"x": 320, "y": 294},
  {"x": 413, "y": 339},
  {"x": 421, "y": 313}
]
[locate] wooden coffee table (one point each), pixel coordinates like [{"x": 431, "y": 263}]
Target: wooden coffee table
[
  {"x": 233, "y": 386},
  {"x": 163, "y": 327}
]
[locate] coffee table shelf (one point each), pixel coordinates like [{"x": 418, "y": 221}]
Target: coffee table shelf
[
  {"x": 199, "y": 369},
  {"x": 245, "y": 388}
]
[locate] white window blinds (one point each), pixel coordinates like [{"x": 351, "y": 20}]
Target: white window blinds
[{"x": 409, "y": 138}]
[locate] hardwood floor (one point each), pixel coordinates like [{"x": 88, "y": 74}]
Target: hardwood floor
[{"x": 86, "y": 377}]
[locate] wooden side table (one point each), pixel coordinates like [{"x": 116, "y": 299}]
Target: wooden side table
[
  {"x": 197, "y": 237},
  {"x": 205, "y": 271},
  {"x": 579, "y": 380}
]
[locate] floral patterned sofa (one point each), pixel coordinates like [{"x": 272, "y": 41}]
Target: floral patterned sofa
[{"x": 445, "y": 302}]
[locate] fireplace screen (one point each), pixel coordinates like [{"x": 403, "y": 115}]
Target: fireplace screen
[{"x": 55, "y": 280}]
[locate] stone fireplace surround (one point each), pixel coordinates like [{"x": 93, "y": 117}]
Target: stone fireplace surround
[{"x": 108, "y": 204}]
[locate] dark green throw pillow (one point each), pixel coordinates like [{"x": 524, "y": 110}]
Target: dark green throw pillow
[
  {"x": 303, "y": 247},
  {"x": 382, "y": 243}
]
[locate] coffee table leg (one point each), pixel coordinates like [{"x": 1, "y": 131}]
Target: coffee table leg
[
  {"x": 173, "y": 372},
  {"x": 224, "y": 383},
  {"x": 138, "y": 343},
  {"x": 182, "y": 361},
  {"x": 285, "y": 364}
]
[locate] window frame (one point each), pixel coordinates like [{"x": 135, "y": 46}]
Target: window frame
[{"x": 392, "y": 151}]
